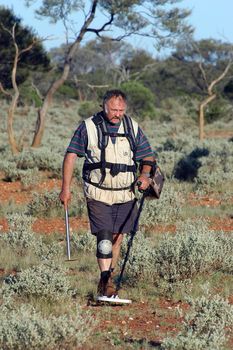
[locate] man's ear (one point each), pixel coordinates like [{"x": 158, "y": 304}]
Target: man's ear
[{"x": 105, "y": 109}]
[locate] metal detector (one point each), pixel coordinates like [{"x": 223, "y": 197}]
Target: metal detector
[{"x": 67, "y": 233}]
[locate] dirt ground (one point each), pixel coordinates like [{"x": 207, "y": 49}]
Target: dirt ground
[{"x": 135, "y": 323}]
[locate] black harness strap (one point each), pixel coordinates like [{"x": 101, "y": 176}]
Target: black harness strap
[
  {"x": 129, "y": 132},
  {"x": 103, "y": 139},
  {"x": 115, "y": 169}
]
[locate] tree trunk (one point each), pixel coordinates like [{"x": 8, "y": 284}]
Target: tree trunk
[
  {"x": 40, "y": 124},
  {"x": 202, "y": 106},
  {"x": 10, "y": 131}
]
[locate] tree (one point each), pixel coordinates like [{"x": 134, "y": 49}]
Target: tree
[
  {"x": 36, "y": 59},
  {"x": 94, "y": 65},
  {"x": 153, "y": 19},
  {"x": 213, "y": 59},
  {"x": 15, "y": 94}
]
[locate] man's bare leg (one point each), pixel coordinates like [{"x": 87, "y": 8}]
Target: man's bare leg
[
  {"x": 107, "y": 265},
  {"x": 116, "y": 248}
]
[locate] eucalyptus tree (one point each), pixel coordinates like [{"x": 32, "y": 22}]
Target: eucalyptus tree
[
  {"x": 20, "y": 48},
  {"x": 210, "y": 62},
  {"x": 37, "y": 59},
  {"x": 159, "y": 20}
]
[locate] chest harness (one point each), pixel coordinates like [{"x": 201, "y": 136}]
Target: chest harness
[{"x": 103, "y": 139}]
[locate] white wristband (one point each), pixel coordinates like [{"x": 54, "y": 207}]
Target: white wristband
[{"x": 146, "y": 174}]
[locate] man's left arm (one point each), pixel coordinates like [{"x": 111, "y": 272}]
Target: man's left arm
[
  {"x": 145, "y": 172},
  {"x": 145, "y": 156}
]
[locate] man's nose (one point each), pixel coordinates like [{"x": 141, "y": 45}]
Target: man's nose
[{"x": 118, "y": 113}]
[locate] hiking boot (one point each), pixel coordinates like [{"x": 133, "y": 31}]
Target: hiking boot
[{"x": 106, "y": 286}]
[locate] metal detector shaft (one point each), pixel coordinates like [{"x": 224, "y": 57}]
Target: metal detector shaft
[
  {"x": 130, "y": 242},
  {"x": 67, "y": 233}
]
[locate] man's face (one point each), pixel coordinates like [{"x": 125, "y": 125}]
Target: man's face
[{"x": 115, "y": 109}]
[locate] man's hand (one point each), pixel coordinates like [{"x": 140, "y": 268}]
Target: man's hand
[
  {"x": 67, "y": 172},
  {"x": 144, "y": 181},
  {"x": 65, "y": 197}
]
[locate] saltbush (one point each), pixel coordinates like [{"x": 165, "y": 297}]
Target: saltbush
[
  {"x": 165, "y": 210},
  {"x": 140, "y": 263},
  {"x": 25, "y": 328},
  {"x": 20, "y": 235},
  {"x": 47, "y": 204},
  {"x": 176, "y": 259},
  {"x": 194, "y": 249},
  {"x": 85, "y": 242},
  {"x": 23, "y": 241},
  {"x": 46, "y": 281},
  {"x": 204, "y": 325}
]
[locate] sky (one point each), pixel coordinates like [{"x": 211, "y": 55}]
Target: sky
[{"x": 210, "y": 18}]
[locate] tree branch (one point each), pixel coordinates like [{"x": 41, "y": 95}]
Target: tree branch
[{"x": 214, "y": 82}]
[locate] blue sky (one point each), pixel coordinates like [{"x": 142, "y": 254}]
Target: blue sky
[{"x": 211, "y": 19}]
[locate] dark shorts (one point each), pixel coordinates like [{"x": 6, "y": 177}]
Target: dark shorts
[{"x": 117, "y": 218}]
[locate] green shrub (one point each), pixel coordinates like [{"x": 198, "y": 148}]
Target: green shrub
[
  {"x": 141, "y": 102},
  {"x": 29, "y": 95},
  {"x": 216, "y": 110},
  {"x": 46, "y": 281},
  {"x": 165, "y": 210},
  {"x": 193, "y": 250},
  {"x": 204, "y": 326},
  {"x": 25, "y": 328},
  {"x": 47, "y": 204},
  {"x": 23, "y": 241},
  {"x": 20, "y": 235},
  {"x": 177, "y": 259},
  {"x": 85, "y": 242},
  {"x": 67, "y": 91},
  {"x": 16, "y": 167},
  {"x": 140, "y": 265},
  {"x": 88, "y": 108}
]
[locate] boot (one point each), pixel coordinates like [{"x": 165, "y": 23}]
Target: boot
[{"x": 106, "y": 286}]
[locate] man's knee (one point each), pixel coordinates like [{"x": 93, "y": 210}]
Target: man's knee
[{"x": 104, "y": 244}]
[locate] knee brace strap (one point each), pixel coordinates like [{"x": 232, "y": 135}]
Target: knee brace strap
[{"x": 104, "y": 244}]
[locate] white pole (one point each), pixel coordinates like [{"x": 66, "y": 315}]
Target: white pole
[{"x": 67, "y": 233}]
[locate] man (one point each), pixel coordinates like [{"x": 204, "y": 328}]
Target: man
[{"x": 112, "y": 143}]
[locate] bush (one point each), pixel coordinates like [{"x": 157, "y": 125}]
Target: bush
[
  {"x": 165, "y": 210},
  {"x": 176, "y": 260},
  {"x": 141, "y": 101},
  {"x": 88, "y": 108},
  {"x": 141, "y": 258},
  {"x": 17, "y": 167},
  {"x": 217, "y": 109},
  {"x": 204, "y": 325},
  {"x": 25, "y": 328},
  {"x": 85, "y": 242},
  {"x": 193, "y": 250},
  {"x": 187, "y": 167},
  {"x": 23, "y": 241},
  {"x": 47, "y": 204},
  {"x": 46, "y": 281},
  {"x": 68, "y": 91},
  {"x": 20, "y": 236}
]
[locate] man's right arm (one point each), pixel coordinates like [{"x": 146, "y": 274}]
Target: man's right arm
[{"x": 67, "y": 174}]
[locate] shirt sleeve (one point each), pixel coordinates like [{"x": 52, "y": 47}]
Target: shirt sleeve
[
  {"x": 143, "y": 147},
  {"x": 78, "y": 142}
]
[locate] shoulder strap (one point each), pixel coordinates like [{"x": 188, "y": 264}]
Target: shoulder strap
[
  {"x": 129, "y": 132},
  {"x": 102, "y": 131}
]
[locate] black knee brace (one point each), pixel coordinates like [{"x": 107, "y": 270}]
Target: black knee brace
[{"x": 104, "y": 244}]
